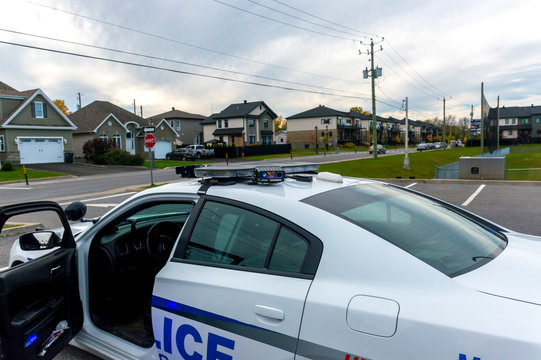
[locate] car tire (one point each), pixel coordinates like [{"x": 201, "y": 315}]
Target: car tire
[
  {"x": 167, "y": 157},
  {"x": 184, "y": 158}
]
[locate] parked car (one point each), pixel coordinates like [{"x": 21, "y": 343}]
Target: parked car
[
  {"x": 178, "y": 154},
  {"x": 267, "y": 263},
  {"x": 199, "y": 151},
  {"x": 439, "y": 145},
  {"x": 381, "y": 149},
  {"x": 425, "y": 146}
]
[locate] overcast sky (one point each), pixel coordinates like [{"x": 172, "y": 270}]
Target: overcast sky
[{"x": 431, "y": 50}]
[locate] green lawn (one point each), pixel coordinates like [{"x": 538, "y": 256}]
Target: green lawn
[
  {"x": 17, "y": 174},
  {"x": 422, "y": 164}
]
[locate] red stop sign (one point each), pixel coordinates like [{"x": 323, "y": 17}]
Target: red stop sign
[{"x": 150, "y": 140}]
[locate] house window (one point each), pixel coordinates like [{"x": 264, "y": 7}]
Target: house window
[
  {"x": 219, "y": 123},
  {"x": 265, "y": 123},
  {"x": 506, "y": 121},
  {"x": 538, "y": 133},
  {"x": 330, "y": 133},
  {"x": 38, "y": 110},
  {"x": 226, "y": 123},
  {"x": 104, "y": 137},
  {"x": 251, "y": 122},
  {"x": 523, "y": 121},
  {"x": 251, "y": 139},
  {"x": 327, "y": 121},
  {"x": 2, "y": 146},
  {"x": 514, "y": 121},
  {"x": 538, "y": 120},
  {"x": 118, "y": 141},
  {"x": 510, "y": 132},
  {"x": 266, "y": 140}
]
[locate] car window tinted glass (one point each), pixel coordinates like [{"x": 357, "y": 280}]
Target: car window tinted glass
[
  {"x": 230, "y": 235},
  {"x": 434, "y": 233},
  {"x": 289, "y": 252}
]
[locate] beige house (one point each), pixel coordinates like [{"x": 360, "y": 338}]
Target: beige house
[
  {"x": 32, "y": 129},
  {"x": 241, "y": 124},
  {"x": 104, "y": 120}
]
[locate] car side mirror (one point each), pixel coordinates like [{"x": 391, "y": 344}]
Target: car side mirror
[
  {"x": 39, "y": 240},
  {"x": 75, "y": 211}
]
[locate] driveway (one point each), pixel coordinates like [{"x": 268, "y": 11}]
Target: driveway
[{"x": 80, "y": 169}]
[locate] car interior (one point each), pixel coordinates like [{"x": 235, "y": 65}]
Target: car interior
[{"x": 124, "y": 258}]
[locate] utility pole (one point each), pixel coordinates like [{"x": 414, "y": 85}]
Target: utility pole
[
  {"x": 482, "y": 119},
  {"x": 141, "y": 107},
  {"x": 79, "y": 102},
  {"x": 374, "y": 73},
  {"x": 406, "y": 159},
  {"x": 134, "y": 108},
  {"x": 498, "y": 124}
]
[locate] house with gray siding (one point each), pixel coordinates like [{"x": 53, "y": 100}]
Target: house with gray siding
[{"x": 187, "y": 125}]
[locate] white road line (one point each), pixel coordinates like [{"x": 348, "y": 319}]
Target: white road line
[
  {"x": 472, "y": 196},
  {"x": 102, "y": 205},
  {"x": 15, "y": 188},
  {"x": 410, "y": 185},
  {"x": 101, "y": 198}
]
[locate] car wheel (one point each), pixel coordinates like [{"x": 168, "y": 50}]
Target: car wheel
[
  {"x": 168, "y": 157},
  {"x": 184, "y": 158}
]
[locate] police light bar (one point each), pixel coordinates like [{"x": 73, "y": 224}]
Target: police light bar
[
  {"x": 264, "y": 173},
  {"x": 268, "y": 174}
]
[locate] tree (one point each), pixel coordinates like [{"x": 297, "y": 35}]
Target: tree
[
  {"x": 280, "y": 123},
  {"x": 359, "y": 109},
  {"x": 61, "y": 104}
]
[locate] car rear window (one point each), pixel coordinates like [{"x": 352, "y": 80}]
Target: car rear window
[{"x": 438, "y": 234}]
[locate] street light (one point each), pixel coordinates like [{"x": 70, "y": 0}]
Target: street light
[{"x": 316, "y": 139}]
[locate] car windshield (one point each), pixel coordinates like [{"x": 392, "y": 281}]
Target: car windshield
[{"x": 441, "y": 236}]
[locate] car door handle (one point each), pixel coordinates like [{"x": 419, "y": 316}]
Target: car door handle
[
  {"x": 269, "y": 312},
  {"x": 56, "y": 270}
]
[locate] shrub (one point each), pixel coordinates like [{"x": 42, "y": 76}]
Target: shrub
[
  {"x": 349, "y": 145},
  {"x": 121, "y": 157},
  {"x": 94, "y": 150},
  {"x": 6, "y": 166}
]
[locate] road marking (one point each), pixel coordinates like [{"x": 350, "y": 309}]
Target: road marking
[
  {"x": 101, "y": 198},
  {"x": 410, "y": 185},
  {"x": 15, "y": 188},
  {"x": 102, "y": 205},
  {"x": 472, "y": 196}
]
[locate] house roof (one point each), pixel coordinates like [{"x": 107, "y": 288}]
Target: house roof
[
  {"x": 242, "y": 110},
  {"x": 92, "y": 115},
  {"x": 176, "y": 114},
  {"x": 319, "y": 111},
  {"x": 5, "y": 89},
  {"x": 515, "y": 112},
  {"x": 210, "y": 120},
  {"x": 228, "y": 131}
]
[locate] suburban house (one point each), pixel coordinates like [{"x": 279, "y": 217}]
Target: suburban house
[
  {"x": 518, "y": 124},
  {"x": 280, "y": 137},
  {"x": 326, "y": 127},
  {"x": 104, "y": 120},
  {"x": 241, "y": 124},
  {"x": 32, "y": 129},
  {"x": 187, "y": 126}
]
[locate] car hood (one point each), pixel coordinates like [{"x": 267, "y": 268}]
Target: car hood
[{"x": 513, "y": 274}]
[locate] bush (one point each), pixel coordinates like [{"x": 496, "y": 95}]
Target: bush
[
  {"x": 6, "y": 166},
  {"x": 94, "y": 150},
  {"x": 349, "y": 145},
  {"x": 121, "y": 157}
]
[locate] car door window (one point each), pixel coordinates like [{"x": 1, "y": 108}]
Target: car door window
[{"x": 230, "y": 235}]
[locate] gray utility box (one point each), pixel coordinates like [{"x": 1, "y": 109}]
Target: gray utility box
[{"x": 482, "y": 168}]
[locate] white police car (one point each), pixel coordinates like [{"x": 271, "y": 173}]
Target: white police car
[{"x": 258, "y": 264}]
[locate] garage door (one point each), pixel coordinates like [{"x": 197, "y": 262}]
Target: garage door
[
  {"x": 161, "y": 148},
  {"x": 41, "y": 150}
]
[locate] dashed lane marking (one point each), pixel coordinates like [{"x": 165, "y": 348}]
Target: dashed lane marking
[{"x": 472, "y": 196}]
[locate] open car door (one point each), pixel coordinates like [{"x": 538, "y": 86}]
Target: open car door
[{"x": 40, "y": 307}]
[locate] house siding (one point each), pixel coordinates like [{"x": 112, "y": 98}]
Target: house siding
[
  {"x": 7, "y": 106},
  {"x": 24, "y": 118},
  {"x": 12, "y": 150}
]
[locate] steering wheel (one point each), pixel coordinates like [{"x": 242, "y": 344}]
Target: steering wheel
[{"x": 160, "y": 240}]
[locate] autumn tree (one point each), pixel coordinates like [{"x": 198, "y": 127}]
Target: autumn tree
[
  {"x": 280, "y": 123},
  {"x": 61, "y": 104},
  {"x": 359, "y": 109}
]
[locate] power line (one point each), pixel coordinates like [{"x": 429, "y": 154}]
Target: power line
[
  {"x": 173, "y": 61},
  {"x": 283, "y": 22},
  {"x": 179, "y": 71},
  {"x": 364, "y": 34},
  {"x": 304, "y": 20},
  {"x": 161, "y": 37}
]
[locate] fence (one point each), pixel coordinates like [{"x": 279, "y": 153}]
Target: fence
[{"x": 251, "y": 150}]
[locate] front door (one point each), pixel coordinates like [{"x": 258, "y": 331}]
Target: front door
[
  {"x": 130, "y": 143},
  {"x": 40, "y": 308},
  {"x": 235, "y": 286}
]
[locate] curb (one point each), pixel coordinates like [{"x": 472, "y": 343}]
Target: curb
[{"x": 20, "y": 229}]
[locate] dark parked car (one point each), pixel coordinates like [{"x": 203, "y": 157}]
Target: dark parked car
[{"x": 178, "y": 154}]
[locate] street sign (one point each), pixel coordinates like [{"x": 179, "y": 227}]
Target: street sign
[
  {"x": 149, "y": 129},
  {"x": 150, "y": 141}
]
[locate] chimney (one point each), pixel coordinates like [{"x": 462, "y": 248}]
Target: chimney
[
  {"x": 173, "y": 108},
  {"x": 245, "y": 101}
]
